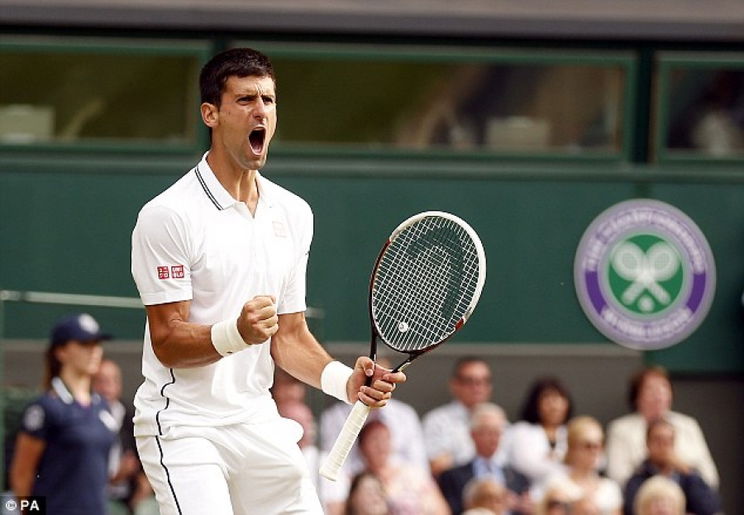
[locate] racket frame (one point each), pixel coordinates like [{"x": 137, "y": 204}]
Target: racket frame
[{"x": 333, "y": 463}]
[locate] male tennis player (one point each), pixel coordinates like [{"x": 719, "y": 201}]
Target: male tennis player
[{"x": 219, "y": 259}]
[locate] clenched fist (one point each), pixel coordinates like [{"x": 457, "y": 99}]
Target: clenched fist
[{"x": 258, "y": 320}]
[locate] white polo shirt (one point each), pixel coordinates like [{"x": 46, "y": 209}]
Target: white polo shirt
[{"x": 195, "y": 242}]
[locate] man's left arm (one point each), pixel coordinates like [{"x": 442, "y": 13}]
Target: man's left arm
[{"x": 296, "y": 351}]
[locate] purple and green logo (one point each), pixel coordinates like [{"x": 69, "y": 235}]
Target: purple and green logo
[{"x": 644, "y": 274}]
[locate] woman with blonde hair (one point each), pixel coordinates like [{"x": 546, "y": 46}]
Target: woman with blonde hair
[
  {"x": 580, "y": 478},
  {"x": 659, "y": 496}
]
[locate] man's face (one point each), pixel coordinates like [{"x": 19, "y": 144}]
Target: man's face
[
  {"x": 472, "y": 384},
  {"x": 660, "y": 444},
  {"x": 107, "y": 382},
  {"x": 245, "y": 121},
  {"x": 487, "y": 434}
]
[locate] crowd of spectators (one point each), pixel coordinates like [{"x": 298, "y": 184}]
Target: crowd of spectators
[
  {"x": 548, "y": 462},
  {"x": 464, "y": 456}
]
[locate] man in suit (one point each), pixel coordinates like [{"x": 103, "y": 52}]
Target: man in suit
[
  {"x": 663, "y": 460},
  {"x": 486, "y": 427}
]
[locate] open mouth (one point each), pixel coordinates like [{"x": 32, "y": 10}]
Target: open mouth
[{"x": 257, "y": 137}]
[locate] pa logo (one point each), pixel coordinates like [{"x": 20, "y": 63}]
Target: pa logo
[{"x": 644, "y": 274}]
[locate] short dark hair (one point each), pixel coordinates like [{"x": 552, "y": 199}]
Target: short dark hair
[
  {"x": 636, "y": 383},
  {"x": 531, "y": 406},
  {"x": 661, "y": 421},
  {"x": 236, "y": 62},
  {"x": 466, "y": 360}
]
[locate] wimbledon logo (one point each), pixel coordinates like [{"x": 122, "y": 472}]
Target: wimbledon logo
[{"x": 644, "y": 274}]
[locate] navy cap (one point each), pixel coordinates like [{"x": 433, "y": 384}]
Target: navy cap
[{"x": 80, "y": 327}]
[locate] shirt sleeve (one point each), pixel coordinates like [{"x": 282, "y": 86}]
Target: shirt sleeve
[
  {"x": 37, "y": 420},
  {"x": 160, "y": 256}
]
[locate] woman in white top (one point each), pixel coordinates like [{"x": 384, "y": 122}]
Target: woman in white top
[
  {"x": 650, "y": 395},
  {"x": 538, "y": 441},
  {"x": 580, "y": 478}
]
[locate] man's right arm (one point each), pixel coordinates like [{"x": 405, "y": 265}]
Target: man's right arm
[{"x": 178, "y": 343}]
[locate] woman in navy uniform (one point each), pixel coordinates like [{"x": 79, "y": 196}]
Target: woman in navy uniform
[{"x": 62, "y": 449}]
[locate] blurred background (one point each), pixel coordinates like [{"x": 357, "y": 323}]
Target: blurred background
[{"x": 526, "y": 119}]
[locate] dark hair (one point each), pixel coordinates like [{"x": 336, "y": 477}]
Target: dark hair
[
  {"x": 466, "y": 360},
  {"x": 636, "y": 383},
  {"x": 661, "y": 421},
  {"x": 236, "y": 62},
  {"x": 52, "y": 365},
  {"x": 531, "y": 406}
]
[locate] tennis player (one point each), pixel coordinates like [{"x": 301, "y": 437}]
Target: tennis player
[{"x": 219, "y": 259}]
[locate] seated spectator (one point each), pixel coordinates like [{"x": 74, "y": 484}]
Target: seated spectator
[
  {"x": 366, "y": 496},
  {"x": 538, "y": 441},
  {"x": 124, "y": 465},
  {"x": 659, "y": 496},
  {"x": 650, "y": 396},
  {"x": 485, "y": 497},
  {"x": 401, "y": 419},
  {"x": 662, "y": 460},
  {"x": 287, "y": 389},
  {"x": 580, "y": 479},
  {"x": 555, "y": 501},
  {"x": 408, "y": 489},
  {"x": 447, "y": 428},
  {"x": 487, "y": 426}
]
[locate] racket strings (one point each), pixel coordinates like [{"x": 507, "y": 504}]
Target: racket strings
[{"x": 424, "y": 283}]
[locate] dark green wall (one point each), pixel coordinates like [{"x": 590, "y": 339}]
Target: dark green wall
[{"x": 66, "y": 224}]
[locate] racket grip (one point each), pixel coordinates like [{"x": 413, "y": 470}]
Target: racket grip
[{"x": 342, "y": 446}]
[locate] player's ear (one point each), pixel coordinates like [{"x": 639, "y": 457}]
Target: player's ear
[{"x": 210, "y": 114}]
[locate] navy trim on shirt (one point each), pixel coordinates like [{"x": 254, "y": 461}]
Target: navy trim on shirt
[
  {"x": 167, "y": 401},
  {"x": 206, "y": 188}
]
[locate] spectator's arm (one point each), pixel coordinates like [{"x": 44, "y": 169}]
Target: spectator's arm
[
  {"x": 26, "y": 457},
  {"x": 701, "y": 498}
]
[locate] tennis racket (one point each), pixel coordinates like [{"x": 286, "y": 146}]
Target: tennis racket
[{"x": 424, "y": 287}]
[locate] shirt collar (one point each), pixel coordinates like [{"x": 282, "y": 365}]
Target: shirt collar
[
  {"x": 217, "y": 193},
  {"x": 60, "y": 388}
]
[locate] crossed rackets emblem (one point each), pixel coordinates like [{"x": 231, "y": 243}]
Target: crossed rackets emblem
[{"x": 645, "y": 270}]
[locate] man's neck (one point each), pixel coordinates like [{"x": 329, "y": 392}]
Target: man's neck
[{"x": 240, "y": 183}]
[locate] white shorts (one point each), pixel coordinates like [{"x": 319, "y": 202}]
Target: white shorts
[{"x": 241, "y": 469}]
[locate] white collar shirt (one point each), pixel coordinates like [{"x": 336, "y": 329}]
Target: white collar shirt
[{"x": 195, "y": 242}]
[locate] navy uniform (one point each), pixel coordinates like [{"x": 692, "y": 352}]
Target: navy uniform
[{"x": 72, "y": 471}]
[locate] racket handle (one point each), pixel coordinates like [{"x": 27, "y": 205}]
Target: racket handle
[{"x": 342, "y": 446}]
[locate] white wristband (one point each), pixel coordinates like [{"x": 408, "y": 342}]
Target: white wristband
[
  {"x": 334, "y": 378},
  {"x": 226, "y": 338}
]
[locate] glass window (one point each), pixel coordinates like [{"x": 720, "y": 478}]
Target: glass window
[
  {"x": 702, "y": 109},
  {"x": 531, "y": 103},
  {"x": 68, "y": 91}
]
